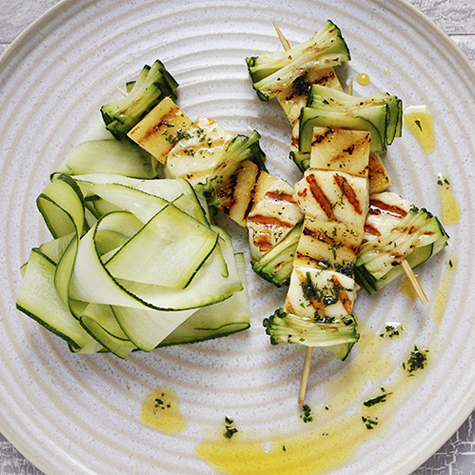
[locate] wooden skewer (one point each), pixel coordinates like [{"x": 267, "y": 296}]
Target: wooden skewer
[
  {"x": 282, "y": 38},
  {"x": 308, "y": 350},
  {"x": 415, "y": 283}
]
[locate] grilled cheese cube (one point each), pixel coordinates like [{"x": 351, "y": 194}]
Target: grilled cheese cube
[
  {"x": 272, "y": 217},
  {"x": 236, "y": 194},
  {"x": 242, "y": 189},
  {"x": 333, "y": 196},
  {"x": 294, "y": 97},
  {"x": 341, "y": 150},
  {"x": 386, "y": 211},
  {"x": 161, "y": 129},
  {"x": 329, "y": 245},
  {"x": 321, "y": 294},
  {"x": 198, "y": 151},
  {"x": 379, "y": 179}
]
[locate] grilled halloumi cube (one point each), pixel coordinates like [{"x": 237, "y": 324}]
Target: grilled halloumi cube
[
  {"x": 161, "y": 129},
  {"x": 333, "y": 196},
  {"x": 237, "y": 195},
  {"x": 330, "y": 245},
  {"x": 198, "y": 151},
  {"x": 341, "y": 150},
  {"x": 272, "y": 217},
  {"x": 320, "y": 294},
  {"x": 294, "y": 97}
]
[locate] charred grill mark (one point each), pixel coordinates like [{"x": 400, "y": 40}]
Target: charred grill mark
[
  {"x": 326, "y": 79},
  {"x": 378, "y": 207},
  {"x": 349, "y": 193},
  {"x": 317, "y": 305},
  {"x": 330, "y": 241},
  {"x": 226, "y": 194},
  {"x": 320, "y": 196},
  {"x": 319, "y": 138},
  {"x": 369, "y": 229},
  {"x": 343, "y": 296},
  {"x": 269, "y": 221},
  {"x": 163, "y": 125},
  {"x": 252, "y": 192},
  {"x": 280, "y": 196},
  {"x": 354, "y": 146},
  {"x": 263, "y": 242},
  {"x": 294, "y": 142}
]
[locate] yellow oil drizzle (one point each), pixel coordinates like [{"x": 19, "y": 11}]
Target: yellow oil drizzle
[
  {"x": 443, "y": 289},
  {"x": 326, "y": 444},
  {"x": 407, "y": 289},
  {"x": 450, "y": 213},
  {"x": 418, "y": 120},
  {"x": 161, "y": 411},
  {"x": 363, "y": 79}
]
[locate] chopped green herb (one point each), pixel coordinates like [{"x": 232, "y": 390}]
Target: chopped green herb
[
  {"x": 370, "y": 422},
  {"x": 376, "y": 400},
  {"x": 307, "y": 414},
  {"x": 416, "y": 361},
  {"x": 230, "y": 429},
  {"x": 418, "y": 123},
  {"x": 390, "y": 331}
]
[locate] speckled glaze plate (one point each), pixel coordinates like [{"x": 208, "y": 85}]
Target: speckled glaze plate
[{"x": 81, "y": 414}]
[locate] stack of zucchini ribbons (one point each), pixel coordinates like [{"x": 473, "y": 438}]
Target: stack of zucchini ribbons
[
  {"x": 353, "y": 227},
  {"x": 137, "y": 260}
]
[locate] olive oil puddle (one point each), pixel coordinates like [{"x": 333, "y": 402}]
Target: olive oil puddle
[
  {"x": 161, "y": 411},
  {"x": 341, "y": 426},
  {"x": 419, "y": 121},
  {"x": 450, "y": 212}
]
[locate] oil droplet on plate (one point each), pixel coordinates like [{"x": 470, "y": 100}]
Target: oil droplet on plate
[
  {"x": 418, "y": 120},
  {"x": 363, "y": 79},
  {"x": 161, "y": 411},
  {"x": 386, "y": 71},
  {"x": 450, "y": 213},
  {"x": 443, "y": 289}
]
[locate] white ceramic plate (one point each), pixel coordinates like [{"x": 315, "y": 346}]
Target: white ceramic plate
[{"x": 80, "y": 414}]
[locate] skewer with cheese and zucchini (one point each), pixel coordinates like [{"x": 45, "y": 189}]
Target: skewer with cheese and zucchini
[
  {"x": 334, "y": 196},
  {"x": 231, "y": 168},
  {"x": 273, "y": 74}
]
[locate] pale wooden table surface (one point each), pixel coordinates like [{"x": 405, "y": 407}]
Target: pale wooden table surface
[{"x": 457, "y": 19}]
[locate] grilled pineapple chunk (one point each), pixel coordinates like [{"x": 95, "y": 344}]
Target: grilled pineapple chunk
[
  {"x": 197, "y": 153},
  {"x": 333, "y": 196},
  {"x": 319, "y": 293},
  {"x": 330, "y": 245},
  {"x": 294, "y": 97},
  {"x": 161, "y": 129},
  {"x": 272, "y": 217},
  {"x": 341, "y": 150}
]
